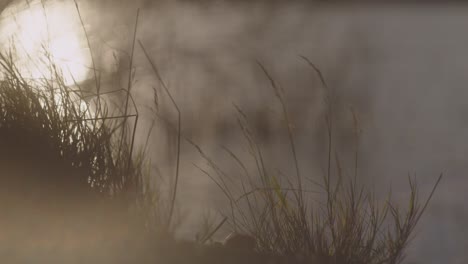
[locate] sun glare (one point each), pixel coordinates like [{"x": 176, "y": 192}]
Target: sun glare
[{"x": 41, "y": 35}]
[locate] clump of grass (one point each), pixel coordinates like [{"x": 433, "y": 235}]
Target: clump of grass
[
  {"x": 344, "y": 223},
  {"x": 66, "y": 154},
  {"x": 67, "y": 163},
  {"x": 45, "y": 119}
]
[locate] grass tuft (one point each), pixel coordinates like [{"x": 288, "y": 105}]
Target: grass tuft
[
  {"x": 68, "y": 169},
  {"x": 341, "y": 223}
]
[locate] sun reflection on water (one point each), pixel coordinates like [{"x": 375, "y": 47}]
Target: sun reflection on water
[{"x": 44, "y": 34}]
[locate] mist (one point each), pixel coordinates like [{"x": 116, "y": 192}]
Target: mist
[{"x": 400, "y": 68}]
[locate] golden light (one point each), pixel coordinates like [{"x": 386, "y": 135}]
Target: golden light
[{"x": 44, "y": 34}]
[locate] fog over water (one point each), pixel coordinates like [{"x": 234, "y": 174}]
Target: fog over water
[{"x": 401, "y": 68}]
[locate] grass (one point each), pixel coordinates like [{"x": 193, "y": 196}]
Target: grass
[
  {"x": 344, "y": 223},
  {"x": 64, "y": 146},
  {"x": 46, "y": 113},
  {"x": 71, "y": 175},
  {"x": 65, "y": 159}
]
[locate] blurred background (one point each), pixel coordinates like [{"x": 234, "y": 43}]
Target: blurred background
[{"x": 400, "y": 68}]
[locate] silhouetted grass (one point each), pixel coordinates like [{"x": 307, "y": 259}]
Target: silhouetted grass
[
  {"x": 342, "y": 222},
  {"x": 68, "y": 165},
  {"x": 67, "y": 168},
  {"x": 66, "y": 158}
]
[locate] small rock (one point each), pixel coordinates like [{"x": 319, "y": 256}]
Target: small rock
[{"x": 240, "y": 242}]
